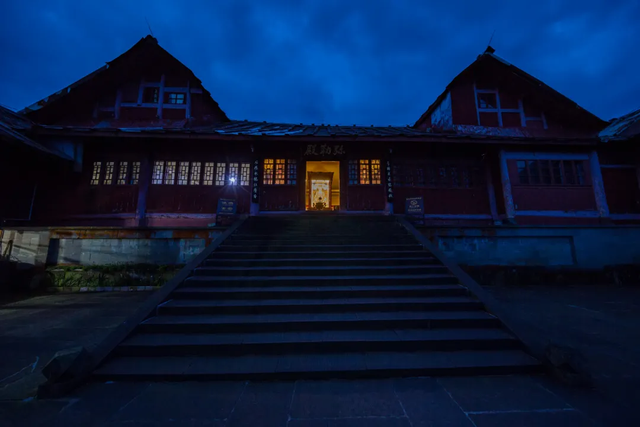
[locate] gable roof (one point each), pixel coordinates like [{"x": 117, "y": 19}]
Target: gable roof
[
  {"x": 625, "y": 127},
  {"x": 489, "y": 56},
  {"x": 147, "y": 46}
]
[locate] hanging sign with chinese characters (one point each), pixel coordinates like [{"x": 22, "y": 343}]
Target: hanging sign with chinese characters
[
  {"x": 255, "y": 191},
  {"x": 324, "y": 150},
  {"x": 389, "y": 183}
]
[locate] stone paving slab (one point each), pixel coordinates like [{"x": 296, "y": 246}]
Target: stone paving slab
[
  {"x": 34, "y": 329},
  {"x": 407, "y": 402}
]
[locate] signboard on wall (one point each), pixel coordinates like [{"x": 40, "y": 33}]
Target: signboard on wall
[
  {"x": 389, "y": 183},
  {"x": 324, "y": 150},
  {"x": 226, "y": 207},
  {"x": 414, "y": 206},
  {"x": 255, "y": 191}
]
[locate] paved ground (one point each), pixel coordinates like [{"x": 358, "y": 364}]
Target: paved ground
[
  {"x": 603, "y": 323},
  {"x": 481, "y": 401},
  {"x": 34, "y": 329}
]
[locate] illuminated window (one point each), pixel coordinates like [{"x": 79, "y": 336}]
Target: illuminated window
[
  {"x": 108, "y": 173},
  {"x": 245, "y": 173},
  {"x": 135, "y": 173},
  {"x": 233, "y": 174},
  {"x": 375, "y": 172},
  {"x": 175, "y": 98},
  {"x": 170, "y": 173},
  {"x": 183, "y": 173},
  {"x": 221, "y": 169},
  {"x": 365, "y": 178},
  {"x": 122, "y": 173},
  {"x": 280, "y": 165},
  {"x": 195, "y": 173},
  {"x": 267, "y": 176},
  {"x": 292, "y": 172},
  {"x": 365, "y": 172},
  {"x": 95, "y": 175},
  {"x": 158, "y": 172},
  {"x": 209, "y": 167}
]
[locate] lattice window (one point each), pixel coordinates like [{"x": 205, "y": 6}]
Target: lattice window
[
  {"x": 209, "y": 168},
  {"x": 221, "y": 171},
  {"x": 158, "y": 172},
  {"x": 170, "y": 173},
  {"x": 135, "y": 173},
  {"x": 233, "y": 173},
  {"x": 292, "y": 172},
  {"x": 280, "y": 168},
  {"x": 376, "y": 176},
  {"x": 353, "y": 172},
  {"x": 365, "y": 177},
  {"x": 95, "y": 174},
  {"x": 183, "y": 173},
  {"x": 245, "y": 174},
  {"x": 267, "y": 176},
  {"x": 108, "y": 173},
  {"x": 550, "y": 172},
  {"x": 195, "y": 173},
  {"x": 175, "y": 98},
  {"x": 122, "y": 173}
]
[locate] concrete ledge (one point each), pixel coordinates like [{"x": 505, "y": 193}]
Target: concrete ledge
[{"x": 72, "y": 290}]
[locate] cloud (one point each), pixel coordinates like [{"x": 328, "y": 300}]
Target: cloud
[{"x": 330, "y": 61}]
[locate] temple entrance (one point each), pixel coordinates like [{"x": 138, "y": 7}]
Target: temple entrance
[{"x": 322, "y": 186}]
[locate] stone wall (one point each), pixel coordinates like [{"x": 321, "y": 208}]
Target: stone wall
[
  {"x": 45, "y": 246},
  {"x": 576, "y": 247}
]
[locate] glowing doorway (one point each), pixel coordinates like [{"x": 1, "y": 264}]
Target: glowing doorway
[{"x": 322, "y": 186}]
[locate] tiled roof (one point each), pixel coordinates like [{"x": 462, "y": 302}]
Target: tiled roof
[
  {"x": 624, "y": 127},
  {"x": 11, "y": 126}
]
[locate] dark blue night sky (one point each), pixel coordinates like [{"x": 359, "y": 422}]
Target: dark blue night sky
[{"x": 330, "y": 61}]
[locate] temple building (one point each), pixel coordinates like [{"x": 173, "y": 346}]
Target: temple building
[{"x": 141, "y": 143}]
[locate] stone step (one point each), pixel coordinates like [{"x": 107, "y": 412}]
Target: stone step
[
  {"x": 343, "y": 270},
  {"x": 317, "y": 366},
  {"x": 319, "y": 262},
  {"x": 318, "y": 247},
  {"x": 308, "y": 305},
  {"x": 159, "y": 345},
  {"x": 323, "y": 236},
  {"x": 319, "y": 254},
  {"x": 191, "y": 324},
  {"x": 342, "y": 280},
  {"x": 284, "y": 292}
]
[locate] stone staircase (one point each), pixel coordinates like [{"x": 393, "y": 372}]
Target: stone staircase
[{"x": 317, "y": 296}]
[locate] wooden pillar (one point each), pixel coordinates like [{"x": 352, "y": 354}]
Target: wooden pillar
[
  {"x": 598, "y": 185},
  {"x": 506, "y": 187},
  {"x": 493, "y": 206},
  {"x": 161, "y": 97},
  {"x": 146, "y": 169}
]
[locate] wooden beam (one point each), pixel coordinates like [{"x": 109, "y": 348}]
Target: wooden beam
[
  {"x": 506, "y": 186},
  {"x": 187, "y": 114},
  {"x": 598, "y": 185},
  {"x": 493, "y": 206},
  {"x": 116, "y": 108},
  {"x": 144, "y": 180},
  {"x": 161, "y": 96}
]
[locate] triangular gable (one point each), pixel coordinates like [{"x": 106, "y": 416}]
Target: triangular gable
[
  {"x": 489, "y": 58},
  {"x": 108, "y": 77}
]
